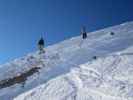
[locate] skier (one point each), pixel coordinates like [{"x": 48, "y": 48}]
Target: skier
[
  {"x": 41, "y": 45},
  {"x": 83, "y": 32}
]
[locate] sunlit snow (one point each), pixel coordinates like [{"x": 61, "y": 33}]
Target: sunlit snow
[{"x": 97, "y": 68}]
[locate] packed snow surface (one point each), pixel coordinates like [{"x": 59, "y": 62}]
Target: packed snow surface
[{"x": 97, "y": 68}]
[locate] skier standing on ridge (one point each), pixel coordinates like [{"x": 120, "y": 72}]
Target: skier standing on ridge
[
  {"x": 83, "y": 32},
  {"x": 41, "y": 45}
]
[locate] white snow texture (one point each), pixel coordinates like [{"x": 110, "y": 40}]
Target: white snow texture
[{"x": 97, "y": 68}]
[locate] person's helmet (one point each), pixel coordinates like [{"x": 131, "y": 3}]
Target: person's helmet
[{"x": 41, "y": 42}]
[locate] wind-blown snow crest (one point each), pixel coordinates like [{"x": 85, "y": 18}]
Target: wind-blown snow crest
[{"x": 97, "y": 68}]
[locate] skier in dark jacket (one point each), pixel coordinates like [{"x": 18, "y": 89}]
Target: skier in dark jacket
[
  {"x": 41, "y": 45},
  {"x": 83, "y": 32}
]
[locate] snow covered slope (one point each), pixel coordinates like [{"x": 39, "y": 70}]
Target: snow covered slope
[
  {"x": 68, "y": 70},
  {"x": 109, "y": 78}
]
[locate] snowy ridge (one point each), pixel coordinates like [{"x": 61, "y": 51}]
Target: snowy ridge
[{"x": 69, "y": 72}]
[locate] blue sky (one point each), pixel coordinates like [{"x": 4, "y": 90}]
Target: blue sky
[{"x": 23, "y": 21}]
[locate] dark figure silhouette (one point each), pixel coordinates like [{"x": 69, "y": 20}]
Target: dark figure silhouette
[
  {"x": 41, "y": 45},
  {"x": 112, "y": 33},
  {"x": 83, "y": 32},
  {"x": 95, "y": 57}
]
